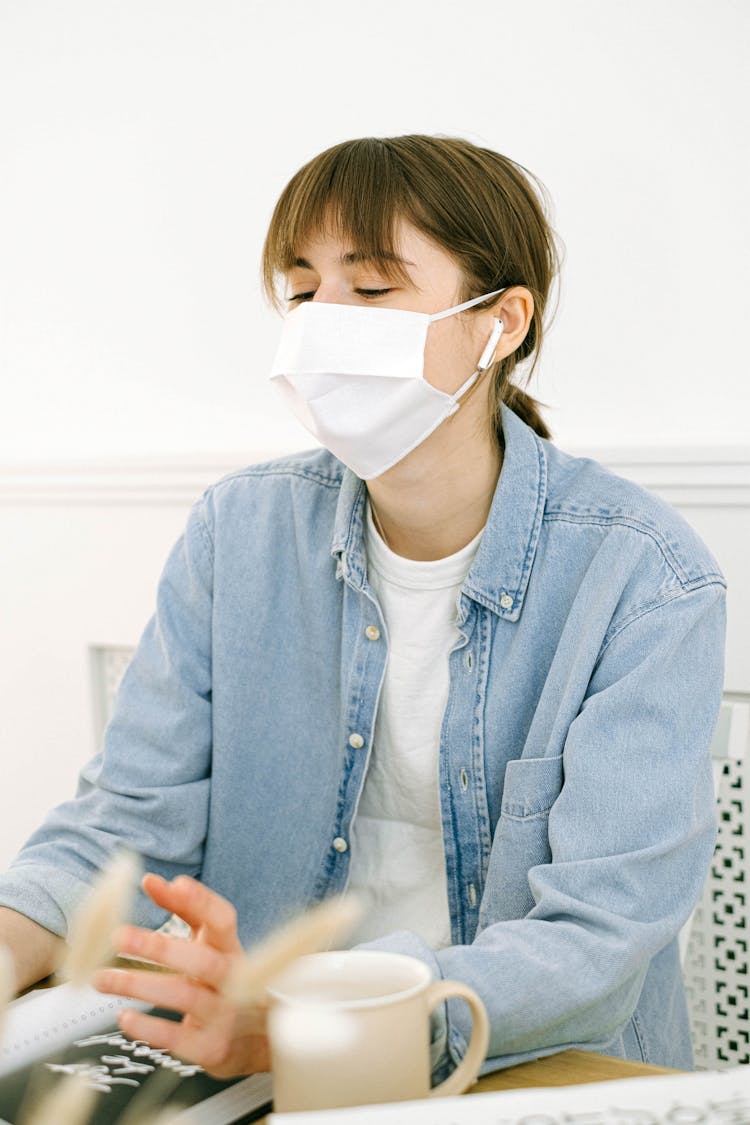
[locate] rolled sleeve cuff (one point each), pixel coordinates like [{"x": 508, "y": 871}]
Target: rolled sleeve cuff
[{"x": 45, "y": 894}]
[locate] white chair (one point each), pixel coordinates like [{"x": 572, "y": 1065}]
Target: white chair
[
  {"x": 107, "y": 664},
  {"x": 716, "y": 961}
]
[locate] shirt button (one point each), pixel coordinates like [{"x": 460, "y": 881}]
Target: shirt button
[
  {"x": 356, "y": 741},
  {"x": 506, "y": 601},
  {"x": 340, "y": 844},
  {"x": 372, "y": 632}
]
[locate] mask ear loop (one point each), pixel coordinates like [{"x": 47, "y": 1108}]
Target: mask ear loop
[{"x": 467, "y": 304}]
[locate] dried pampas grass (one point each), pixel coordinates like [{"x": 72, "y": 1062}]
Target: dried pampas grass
[
  {"x": 313, "y": 931},
  {"x": 69, "y": 1102},
  {"x": 153, "y": 1117},
  {"x": 105, "y": 907},
  {"x": 148, "y": 1105}
]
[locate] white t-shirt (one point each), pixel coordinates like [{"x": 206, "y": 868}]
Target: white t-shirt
[{"x": 397, "y": 856}]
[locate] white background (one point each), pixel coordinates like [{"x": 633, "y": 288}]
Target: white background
[{"x": 142, "y": 147}]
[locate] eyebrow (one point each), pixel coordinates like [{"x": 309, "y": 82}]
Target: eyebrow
[{"x": 356, "y": 256}]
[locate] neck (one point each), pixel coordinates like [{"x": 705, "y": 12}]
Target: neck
[{"x": 437, "y": 499}]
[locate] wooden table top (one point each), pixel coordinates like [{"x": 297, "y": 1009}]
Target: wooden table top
[{"x": 567, "y": 1068}]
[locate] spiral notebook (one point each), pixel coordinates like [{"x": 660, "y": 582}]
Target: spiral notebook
[{"x": 64, "y": 1029}]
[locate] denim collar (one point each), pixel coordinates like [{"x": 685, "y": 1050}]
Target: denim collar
[{"x": 500, "y": 572}]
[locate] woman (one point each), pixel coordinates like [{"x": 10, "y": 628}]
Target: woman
[{"x": 439, "y": 661}]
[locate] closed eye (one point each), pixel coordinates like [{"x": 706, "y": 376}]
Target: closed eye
[{"x": 368, "y": 294}]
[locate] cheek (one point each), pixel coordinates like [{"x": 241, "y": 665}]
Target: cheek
[{"x": 449, "y": 355}]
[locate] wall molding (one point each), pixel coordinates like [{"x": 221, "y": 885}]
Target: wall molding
[
  {"x": 686, "y": 477},
  {"x": 175, "y": 482}
]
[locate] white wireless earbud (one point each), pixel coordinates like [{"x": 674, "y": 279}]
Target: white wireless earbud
[{"x": 488, "y": 354}]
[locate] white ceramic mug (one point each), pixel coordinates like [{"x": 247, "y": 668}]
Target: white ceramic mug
[{"x": 353, "y": 1027}]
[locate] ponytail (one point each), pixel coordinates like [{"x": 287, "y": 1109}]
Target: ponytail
[{"x": 527, "y": 409}]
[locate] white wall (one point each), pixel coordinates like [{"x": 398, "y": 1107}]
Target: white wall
[
  {"x": 106, "y": 561},
  {"x": 142, "y": 146}
]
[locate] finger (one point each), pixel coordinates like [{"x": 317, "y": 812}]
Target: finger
[
  {"x": 154, "y": 1030},
  {"x": 163, "y": 990},
  {"x": 199, "y": 906},
  {"x": 158, "y": 889},
  {"x": 182, "y": 1041},
  {"x": 220, "y": 1057},
  {"x": 195, "y": 960}
]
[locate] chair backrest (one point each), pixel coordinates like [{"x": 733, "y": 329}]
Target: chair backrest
[
  {"x": 108, "y": 664},
  {"x": 716, "y": 962}
]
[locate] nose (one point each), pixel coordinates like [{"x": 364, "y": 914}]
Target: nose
[{"x": 333, "y": 292}]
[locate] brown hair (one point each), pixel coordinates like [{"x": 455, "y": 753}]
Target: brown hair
[{"x": 482, "y": 208}]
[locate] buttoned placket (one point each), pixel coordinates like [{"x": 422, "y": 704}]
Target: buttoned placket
[
  {"x": 463, "y": 796},
  {"x": 363, "y": 623},
  {"x": 463, "y": 793}
]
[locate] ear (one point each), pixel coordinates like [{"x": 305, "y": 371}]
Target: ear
[{"x": 515, "y": 308}]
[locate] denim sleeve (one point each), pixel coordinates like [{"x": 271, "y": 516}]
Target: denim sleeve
[
  {"x": 630, "y": 838},
  {"x": 148, "y": 789}
]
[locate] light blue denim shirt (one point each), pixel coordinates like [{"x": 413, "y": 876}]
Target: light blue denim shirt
[{"x": 577, "y": 802}]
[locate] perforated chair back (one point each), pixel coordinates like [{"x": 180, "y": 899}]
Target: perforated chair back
[{"x": 716, "y": 963}]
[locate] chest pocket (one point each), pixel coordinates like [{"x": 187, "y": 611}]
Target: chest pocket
[{"x": 521, "y": 839}]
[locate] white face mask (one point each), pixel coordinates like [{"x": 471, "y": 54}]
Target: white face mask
[{"x": 354, "y": 377}]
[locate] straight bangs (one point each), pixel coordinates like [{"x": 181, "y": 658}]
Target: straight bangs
[{"x": 355, "y": 190}]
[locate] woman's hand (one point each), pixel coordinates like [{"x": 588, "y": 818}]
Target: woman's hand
[{"x": 213, "y": 1033}]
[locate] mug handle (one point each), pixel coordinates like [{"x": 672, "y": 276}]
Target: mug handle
[{"x": 468, "y": 1069}]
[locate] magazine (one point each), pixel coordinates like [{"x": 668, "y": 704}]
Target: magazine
[
  {"x": 716, "y": 1098},
  {"x": 63, "y": 1030}
]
